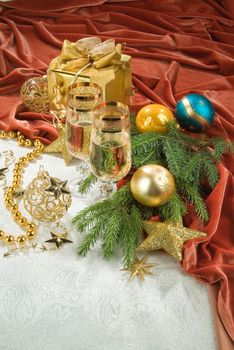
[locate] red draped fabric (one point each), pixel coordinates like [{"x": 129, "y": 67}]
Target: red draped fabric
[{"x": 177, "y": 47}]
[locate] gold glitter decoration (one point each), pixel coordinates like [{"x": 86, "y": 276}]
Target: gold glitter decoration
[
  {"x": 169, "y": 236},
  {"x": 152, "y": 185},
  {"x": 10, "y": 200},
  {"x": 59, "y": 146},
  {"x": 59, "y": 239},
  {"x": 140, "y": 268},
  {"x": 2, "y": 173},
  {"x": 42, "y": 204},
  {"x": 34, "y": 246},
  {"x": 57, "y": 187},
  {"x": 34, "y": 94}
]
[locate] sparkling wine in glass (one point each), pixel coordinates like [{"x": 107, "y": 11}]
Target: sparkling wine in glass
[
  {"x": 110, "y": 151},
  {"x": 82, "y": 98}
]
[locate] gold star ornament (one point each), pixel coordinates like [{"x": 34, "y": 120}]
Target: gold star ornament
[
  {"x": 57, "y": 187},
  {"x": 2, "y": 172},
  {"x": 59, "y": 146},
  {"x": 58, "y": 239},
  {"x": 169, "y": 236},
  {"x": 140, "y": 268}
]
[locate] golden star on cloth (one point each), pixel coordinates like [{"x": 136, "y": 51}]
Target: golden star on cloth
[
  {"x": 57, "y": 187},
  {"x": 140, "y": 268},
  {"x": 169, "y": 236},
  {"x": 59, "y": 146},
  {"x": 2, "y": 172},
  {"x": 58, "y": 239}
]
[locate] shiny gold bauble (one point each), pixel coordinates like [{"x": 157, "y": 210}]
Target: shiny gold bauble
[
  {"x": 153, "y": 117},
  {"x": 152, "y": 185},
  {"x": 2, "y": 234}
]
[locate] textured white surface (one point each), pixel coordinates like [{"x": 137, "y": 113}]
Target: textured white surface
[{"x": 60, "y": 301}]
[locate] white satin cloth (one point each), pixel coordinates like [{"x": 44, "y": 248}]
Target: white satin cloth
[{"x": 58, "y": 300}]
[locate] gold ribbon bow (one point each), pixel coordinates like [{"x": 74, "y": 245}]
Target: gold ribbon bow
[{"x": 87, "y": 52}]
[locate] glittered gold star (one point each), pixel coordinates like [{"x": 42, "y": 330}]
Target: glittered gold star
[
  {"x": 57, "y": 187},
  {"x": 58, "y": 239},
  {"x": 140, "y": 268},
  {"x": 59, "y": 146},
  {"x": 18, "y": 194},
  {"x": 2, "y": 172},
  {"x": 8, "y": 253},
  {"x": 169, "y": 236}
]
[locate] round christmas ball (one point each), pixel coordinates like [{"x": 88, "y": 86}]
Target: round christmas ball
[
  {"x": 152, "y": 185},
  {"x": 34, "y": 94},
  {"x": 194, "y": 113},
  {"x": 153, "y": 117}
]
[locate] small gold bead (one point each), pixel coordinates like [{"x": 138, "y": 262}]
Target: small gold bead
[
  {"x": 3, "y": 134},
  {"x": 28, "y": 143},
  {"x": 8, "y": 202},
  {"x": 18, "y": 134},
  {"x": 17, "y": 172},
  {"x": 17, "y": 215},
  {"x": 2, "y": 234},
  {"x": 36, "y": 152},
  {"x": 37, "y": 143},
  {"x": 9, "y": 239},
  {"x": 8, "y": 195},
  {"x": 23, "y": 221},
  {"x": 14, "y": 207},
  {"x": 21, "y": 142},
  {"x": 31, "y": 234},
  {"x": 21, "y": 239},
  {"x": 9, "y": 189},
  {"x": 31, "y": 226},
  {"x": 16, "y": 183},
  {"x": 22, "y": 160},
  {"x": 30, "y": 156},
  {"x": 18, "y": 165},
  {"x": 41, "y": 148},
  {"x": 16, "y": 177},
  {"x": 11, "y": 134}
]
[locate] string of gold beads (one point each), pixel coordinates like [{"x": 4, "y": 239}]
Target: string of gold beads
[{"x": 9, "y": 194}]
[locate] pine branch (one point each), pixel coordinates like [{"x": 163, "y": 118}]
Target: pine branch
[
  {"x": 209, "y": 169},
  {"x": 174, "y": 209},
  {"x": 111, "y": 234},
  {"x": 192, "y": 195},
  {"x": 128, "y": 240},
  {"x": 90, "y": 239},
  {"x": 87, "y": 183}
]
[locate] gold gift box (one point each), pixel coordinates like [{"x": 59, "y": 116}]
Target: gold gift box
[{"x": 103, "y": 64}]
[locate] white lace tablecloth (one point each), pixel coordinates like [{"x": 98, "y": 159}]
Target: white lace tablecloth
[{"x": 58, "y": 300}]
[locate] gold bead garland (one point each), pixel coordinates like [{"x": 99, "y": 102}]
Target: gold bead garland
[{"x": 10, "y": 191}]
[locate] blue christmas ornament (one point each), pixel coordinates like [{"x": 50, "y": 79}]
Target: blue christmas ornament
[{"x": 194, "y": 113}]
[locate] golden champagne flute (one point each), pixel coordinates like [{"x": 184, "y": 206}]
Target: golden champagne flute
[{"x": 110, "y": 150}]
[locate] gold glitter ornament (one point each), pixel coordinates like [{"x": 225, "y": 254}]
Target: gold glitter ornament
[
  {"x": 42, "y": 204},
  {"x": 169, "y": 236},
  {"x": 58, "y": 239},
  {"x": 140, "y": 268},
  {"x": 152, "y": 185},
  {"x": 34, "y": 94},
  {"x": 59, "y": 146}
]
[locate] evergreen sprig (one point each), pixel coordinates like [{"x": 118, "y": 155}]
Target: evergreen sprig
[
  {"x": 118, "y": 220},
  {"x": 114, "y": 220}
]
